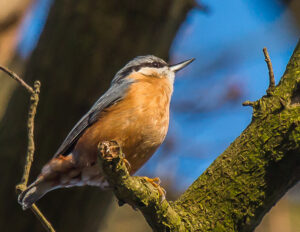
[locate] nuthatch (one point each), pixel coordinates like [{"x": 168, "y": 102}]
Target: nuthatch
[{"x": 134, "y": 112}]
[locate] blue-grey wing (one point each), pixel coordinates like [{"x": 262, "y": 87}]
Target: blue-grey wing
[{"x": 114, "y": 94}]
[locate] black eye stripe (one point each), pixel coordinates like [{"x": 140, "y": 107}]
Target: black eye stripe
[
  {"x": 157, "y": 64},
  {"x": 154, "y": 64},
  {"x": 136, "y": 68}
]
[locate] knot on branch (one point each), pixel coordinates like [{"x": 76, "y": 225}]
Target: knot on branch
[
  {"x": 37, "y": 86},
  {"x": 110, "y": 151},
  {"x": 112, "y": 161}
]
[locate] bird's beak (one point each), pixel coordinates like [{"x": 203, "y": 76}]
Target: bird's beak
[{"x": 181, "y": 65}]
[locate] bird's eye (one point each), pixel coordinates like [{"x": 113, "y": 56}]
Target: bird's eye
[{"x": 156, "y": 64}]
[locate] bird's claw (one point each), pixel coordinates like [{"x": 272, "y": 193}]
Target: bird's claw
[
  {"x": 155, "y": 182},
  {"x": 126, "y": 162}
]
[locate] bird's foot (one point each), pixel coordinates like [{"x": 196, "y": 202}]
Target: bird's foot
[
  {"x": 126, "y": 162},
  {"x": 156, "y": 184}
]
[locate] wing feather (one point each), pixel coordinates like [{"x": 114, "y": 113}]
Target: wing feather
[{"x": 114, "y": 94}]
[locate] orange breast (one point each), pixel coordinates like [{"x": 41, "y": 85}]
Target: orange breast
[{"x": 139, "y": 123}]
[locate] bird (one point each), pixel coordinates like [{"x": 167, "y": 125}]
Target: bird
[{"x": 134, "y": 112}]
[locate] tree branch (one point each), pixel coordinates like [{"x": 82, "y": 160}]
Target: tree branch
[
  {"x": 270, "y": 68},
  {"x": 136, "y": 191},
  {"x": 47, "y": 225},
  {"x": 242, "y": 184},
  {"x": 17, "y": 78},
  {"x": 34, "y": 99},
  {"x": 249, "y": 103}
]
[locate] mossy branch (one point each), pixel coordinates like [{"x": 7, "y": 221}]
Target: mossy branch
[
  {"x": 137, "y": 192},
  {"x": 34, "y": 99},
  {"x": 253, "y": 173}
]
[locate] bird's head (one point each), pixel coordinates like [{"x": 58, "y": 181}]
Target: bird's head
[{"x": 151, "y": 66}]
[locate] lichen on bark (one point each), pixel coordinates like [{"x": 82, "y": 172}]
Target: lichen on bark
[
  {"x": 243, "y": 183},
  {"x": 246, "y": 180},
  {"x": 136, "y": 191}
]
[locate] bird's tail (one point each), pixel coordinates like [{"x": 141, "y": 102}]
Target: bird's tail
[
  {"x": 34, "y": 192},
  {"x": 51, "y": 177}
]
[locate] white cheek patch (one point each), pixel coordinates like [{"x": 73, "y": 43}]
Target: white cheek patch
[
  {"x": 160, "y": 72},
  {"x": 148, "y": 71}
]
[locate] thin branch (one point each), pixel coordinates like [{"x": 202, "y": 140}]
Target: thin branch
[
  {"x": 271, "y": 73},
  {"x": 248, "y": 103},
  {"x": 34, "y": 99},
  {"x": 137, "y": 192},
  {"x": 47, "y": 225},
  {"x": 17, "y": 78}
]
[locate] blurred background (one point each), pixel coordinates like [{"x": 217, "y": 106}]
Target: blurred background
[{"x": 75, "y": 48}]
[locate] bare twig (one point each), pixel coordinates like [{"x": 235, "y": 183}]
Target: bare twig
[
  {"x": 17, "y": 78},
  {"x": 34, "y": 99},
  {"x": 47, "y": 225},
  {"x": 248, "y": 103},
  {"x": 271, "y": 73}
]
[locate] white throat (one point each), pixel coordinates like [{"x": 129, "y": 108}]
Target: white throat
[{"x": 160, "y": 72}]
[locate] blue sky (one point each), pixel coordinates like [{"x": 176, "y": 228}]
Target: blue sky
[
  {"x": 227, "y": 43},
  {"x": 240, "y": 28}
]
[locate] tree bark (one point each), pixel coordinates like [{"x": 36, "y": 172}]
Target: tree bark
[
  {"x": 254, "y": 172},
  {"x": 242, "y": 184},
  {"x": 83, "y": 44}
]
